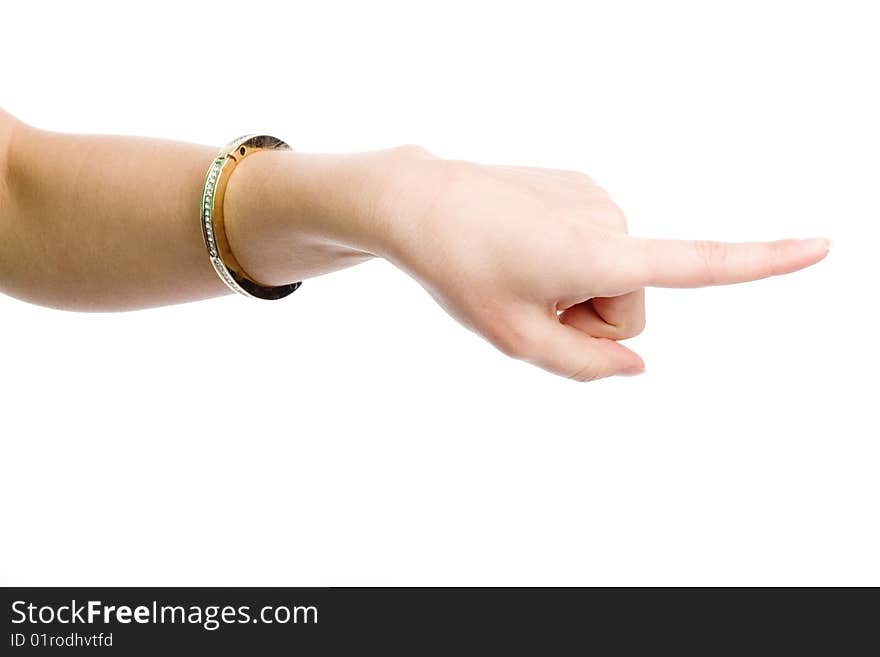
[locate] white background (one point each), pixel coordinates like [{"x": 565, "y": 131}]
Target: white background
[{"x": 354, "y": 434}]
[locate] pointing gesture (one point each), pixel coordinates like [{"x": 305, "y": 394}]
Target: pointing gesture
[{"x": 539, "y": 261}]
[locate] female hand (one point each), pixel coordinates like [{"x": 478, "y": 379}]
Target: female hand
[{"x": 539, "y": 262}]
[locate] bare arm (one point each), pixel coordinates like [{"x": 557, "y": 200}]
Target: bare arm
[
  {"x": 537, "y": 261},
  {"x": 110, "y": 223}
]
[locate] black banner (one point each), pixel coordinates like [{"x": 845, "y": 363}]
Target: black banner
[{"x": 314, "y": 621}]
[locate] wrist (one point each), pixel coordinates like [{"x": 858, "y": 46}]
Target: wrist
[
  {"x": 361, "y": 200},
  {"x": 293, "y": 215}
]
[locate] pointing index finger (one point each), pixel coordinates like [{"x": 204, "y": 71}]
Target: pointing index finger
[{"x": 682, "y": 263}]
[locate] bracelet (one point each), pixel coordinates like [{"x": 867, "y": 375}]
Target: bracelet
[{"x": 213, "y": 228}]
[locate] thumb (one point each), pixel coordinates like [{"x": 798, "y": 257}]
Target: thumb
[{"x": 566, "y": 351}]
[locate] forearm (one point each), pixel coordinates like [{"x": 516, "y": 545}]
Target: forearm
[{"x": 111, "y": 223}]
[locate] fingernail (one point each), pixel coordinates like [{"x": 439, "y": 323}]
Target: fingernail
[
  {"x": 634, "y": 370},
  {"x": 823, "y": 241}
]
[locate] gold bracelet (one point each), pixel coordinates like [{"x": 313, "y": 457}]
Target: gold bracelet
[{"x": 213, "y": 228}]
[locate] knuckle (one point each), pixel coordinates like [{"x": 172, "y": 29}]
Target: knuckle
[
  {"x": 582, "y": 178},
  {"x": 412, "y": 150},
  {"x": 577, "y": 177},
  {"x": 638, "y": 327},
  {"x": 712, "y": 256},
  {"x": 618, "y": 218},
  {"x": 776, "y": 254},
  {"x": 631, "y": 328}
]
